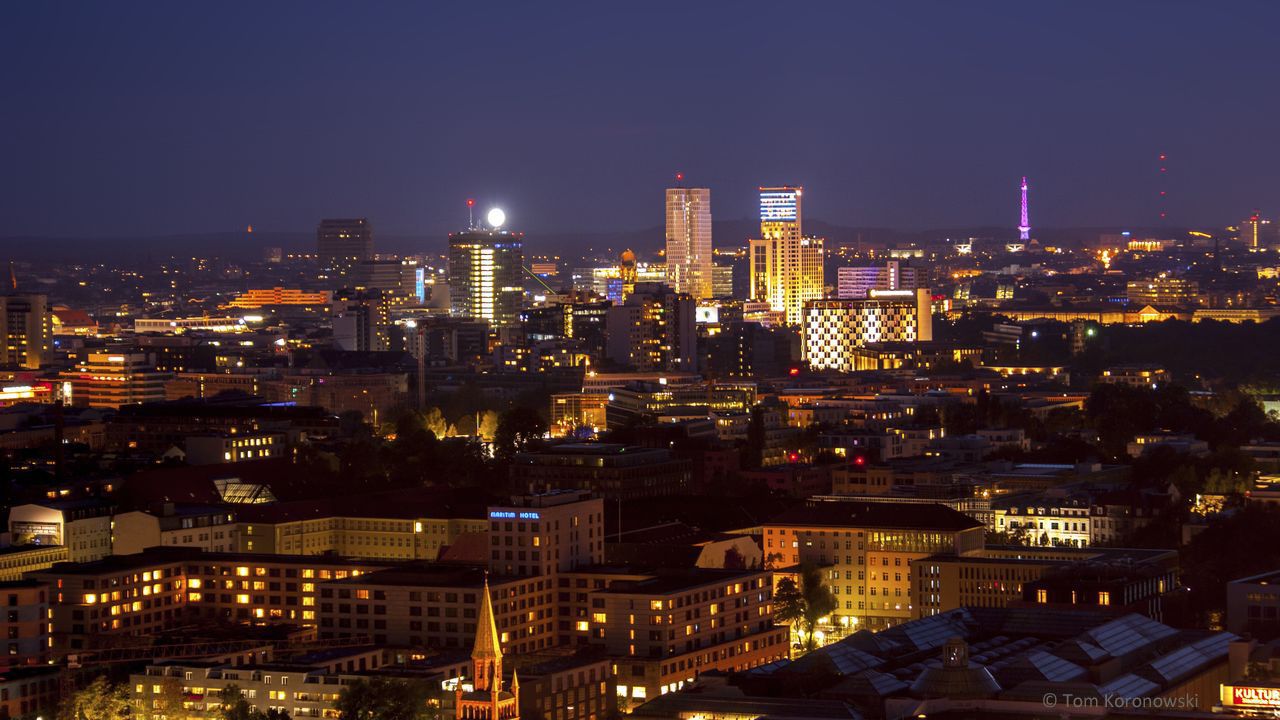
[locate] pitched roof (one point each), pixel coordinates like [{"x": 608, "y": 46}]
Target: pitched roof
[{"x": 486, "y": 630}]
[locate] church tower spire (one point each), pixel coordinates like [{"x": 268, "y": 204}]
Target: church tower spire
[{"x": 487, "y": 700}]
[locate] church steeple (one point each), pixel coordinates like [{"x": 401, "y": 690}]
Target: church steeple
[{"x": 488, "y": 701}]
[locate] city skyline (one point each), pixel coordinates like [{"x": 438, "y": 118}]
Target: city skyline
[{"x": 1083, "y": 101}]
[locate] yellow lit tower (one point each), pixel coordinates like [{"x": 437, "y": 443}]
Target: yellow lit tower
[
  {"x": 488, "y": 701},
  {"x": 786, "y": 266}
]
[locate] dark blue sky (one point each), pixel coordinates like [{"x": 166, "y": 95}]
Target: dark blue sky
[{"x": 162, "y": 117}]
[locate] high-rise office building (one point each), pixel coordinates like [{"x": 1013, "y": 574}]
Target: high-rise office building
[
  {"x": 689, "y": 260},
  {"x": 786, "y": 266},
  {"x": 343, "y": 243},
  {"x": 485, "y": 276},
  {"x": 858, "y": 282},
  {"x": 1256, "y": 231},
  {"x": 25, "y": 328},
  {"x": 722, "y": 281},
  {"x": 361, "y": 321},
  {"x": 833, "y": 328},
  {"x": 655, "y": 329}
]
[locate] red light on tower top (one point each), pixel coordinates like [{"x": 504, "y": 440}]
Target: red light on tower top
[
  {"x": 679, "y": 177},
  {"x": 471, "y": 202}
]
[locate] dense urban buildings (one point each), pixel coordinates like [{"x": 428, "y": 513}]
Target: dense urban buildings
[{"x": 898, "y": 457}]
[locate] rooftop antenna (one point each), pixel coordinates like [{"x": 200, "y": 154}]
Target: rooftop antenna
[{"x": 471, "y": 220}]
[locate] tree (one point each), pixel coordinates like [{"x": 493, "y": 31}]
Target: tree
[
  {"x": 518, "y": 429},
  {"x": 488, "y": 426},
  {"x": 381, "y": 698},
  {"x": 236, "y": 707},
  {"x": 435, "y": 422},
  {"x": 99, "y": 700},
  {"x": 819, "y": 601},
  {"x": 804, "y": 604},
  {"x": 788, "y": 603},
  {"x": 169, "y": 703}
]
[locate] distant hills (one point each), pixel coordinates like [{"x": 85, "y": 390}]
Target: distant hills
[{"x": 569, "y": 245}]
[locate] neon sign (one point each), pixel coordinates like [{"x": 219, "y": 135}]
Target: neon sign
[{"x": 514, "y": 515}]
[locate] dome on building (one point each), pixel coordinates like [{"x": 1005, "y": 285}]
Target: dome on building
[{"x": 955, "y": 678}]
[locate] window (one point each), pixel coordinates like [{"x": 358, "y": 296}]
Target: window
[
  {"x": 1042, "y": 596},
  {"x": 1104, "y": 598}
]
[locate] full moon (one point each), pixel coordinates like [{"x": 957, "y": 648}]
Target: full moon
[{"x": 497, "y": 217}]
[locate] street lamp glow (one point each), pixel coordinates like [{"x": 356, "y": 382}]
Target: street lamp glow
[{"x": 496, "y": 217}]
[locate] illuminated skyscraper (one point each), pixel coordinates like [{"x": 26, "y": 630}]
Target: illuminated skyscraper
[
  {"x": 689, "y": 259},
  {"x": 1255, "y": 231},
  {"x": 786, "y": 266},
  {"x": 486, "y": 275},
  {"x": 343, "y": 243}
]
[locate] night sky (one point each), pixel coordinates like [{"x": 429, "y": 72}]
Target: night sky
[{"x": 164, "y": 117}]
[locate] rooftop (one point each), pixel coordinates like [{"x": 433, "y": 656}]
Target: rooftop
[{"x": 875, "y": 515}]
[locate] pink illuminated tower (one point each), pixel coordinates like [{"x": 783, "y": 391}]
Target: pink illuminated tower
[{"x": 1024, "y": 227}]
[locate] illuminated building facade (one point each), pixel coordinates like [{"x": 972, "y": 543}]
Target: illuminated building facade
[
  {"x": 26, "y": 327},
  {"x": 485, "y": 276},
  {"x": 786, "y": 267},
  {"x": 867, "y": 551},
  {"x": 833, "y": 328},
  {"x": 664, "y": 630},
  {"x": 858, "y": 282},
  {"x": 19, "y": 560},
  {"x": 266, "y": 297},
  {"x": 571, "y": 412},
  {"x": 112, "y": 380},
  {"x": 93, "y": 604},
  {"x": 689, "y": 259},
  {"x": 361, "y": 321},
  {"x": 1256, "y": 231},
  {"x": 342, "y": 244},
  {"x": 82, "y": 526},
  {"x": 654, "y": 329},
  {"x": 1163, "y": 291}
]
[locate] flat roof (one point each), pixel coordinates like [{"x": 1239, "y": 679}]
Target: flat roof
[
  {"x": 171, "y": 555},
  {"x": 910, "y": 516},
  {"x": 666, "y": 582}
]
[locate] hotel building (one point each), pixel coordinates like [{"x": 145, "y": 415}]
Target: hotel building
[{"x": 833, "y": 328}]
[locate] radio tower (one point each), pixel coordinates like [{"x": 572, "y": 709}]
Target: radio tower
[{"x": 1024, "y": 227}]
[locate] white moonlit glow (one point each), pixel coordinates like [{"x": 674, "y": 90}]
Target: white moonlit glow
[{"x": 496, "y": 217}]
